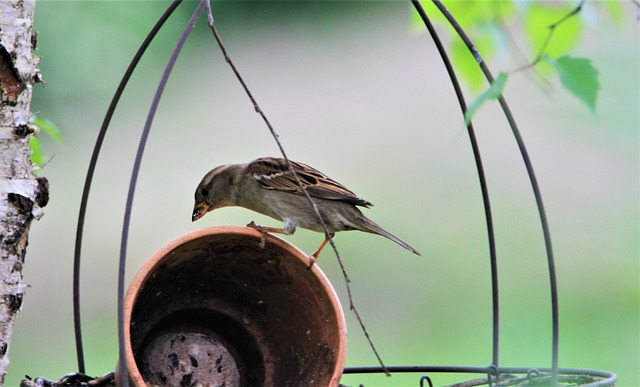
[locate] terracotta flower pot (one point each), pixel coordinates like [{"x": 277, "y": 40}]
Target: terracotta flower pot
[{"x": 213, "y": 306}]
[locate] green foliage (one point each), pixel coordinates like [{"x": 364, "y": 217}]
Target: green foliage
[
  {"x": 614, "y": 10},
  {"x": 466, "y": 64},
  {"x": 541, "y": 20},
  {"x": 493, "y": 92},
  {"x": 51, "y": 130},
  {"x": 579, "y": 77},
  {"x": 545, "y": 32},
  {"x": 37, "y": 157},
  {"x": 48, "y": 127},
  {"x": 481, "y": 20}
]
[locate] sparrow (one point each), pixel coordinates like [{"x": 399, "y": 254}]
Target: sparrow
[{"x": 267, "y": 186}]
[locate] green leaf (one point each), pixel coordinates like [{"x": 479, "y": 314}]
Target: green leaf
[
  {"x": 579, "y": 77},
  {"x": 47, "y": 127},
  {"x": 37, "y": 157},
  {"x": 493, "y": 92}
]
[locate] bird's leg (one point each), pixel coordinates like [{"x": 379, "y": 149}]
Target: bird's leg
[
  {"x": 264, "y": 230},
  {"x": 314, "y": 257}
]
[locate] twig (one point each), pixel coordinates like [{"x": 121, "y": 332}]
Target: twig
[
  {"x": 293, "y": 172},
  {"x": 123, "y": 375},
  {"x": 552, "y": 29},
  {"x": 517, "y": 52},
  {"x": 534, "y": 187},
  {"x": 90, "y": 171}
]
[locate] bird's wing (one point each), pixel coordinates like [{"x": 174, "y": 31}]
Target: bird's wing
[{"x": 273, "y": 173}]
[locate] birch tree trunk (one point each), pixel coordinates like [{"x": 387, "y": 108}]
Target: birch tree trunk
[{"x": 21, "y": 193}]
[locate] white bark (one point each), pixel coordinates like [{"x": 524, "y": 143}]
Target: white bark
[{"x": 21, "y": 194}]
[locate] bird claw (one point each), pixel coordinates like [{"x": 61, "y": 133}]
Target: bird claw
[
  {"x": 263, "y": 231},
  {"x": 312, "y": 260}
]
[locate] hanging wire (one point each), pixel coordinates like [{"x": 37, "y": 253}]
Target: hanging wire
[
  {"x": 481, "y": 177},
  {"x": 123, "y": 375},
  {"x": 534, "y": 186},
  {"x": 89, "y": 178}
]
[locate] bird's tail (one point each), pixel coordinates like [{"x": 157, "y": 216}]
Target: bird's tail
[{"x": 370, "y": 226}]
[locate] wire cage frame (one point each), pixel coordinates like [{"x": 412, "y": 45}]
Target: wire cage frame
[{"x": 494, "y": 373}]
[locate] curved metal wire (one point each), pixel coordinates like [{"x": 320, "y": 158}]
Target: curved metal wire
[
  {"x": 555, "y": 317},
  {"x": 481, "y": 177},
  {"x": 89, "y": 178},
  {"x": 123, "y": 375}
]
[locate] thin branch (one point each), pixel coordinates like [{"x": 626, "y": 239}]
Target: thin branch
[
  {"x": 534, "y": 186},
  {"x": 516, "y": 51},
  {"x": 123, "y": 376},
  {"x": 89, "y": 178},
  {"x": 552, "y": 30},
  {"x": 293, "y": 172}
]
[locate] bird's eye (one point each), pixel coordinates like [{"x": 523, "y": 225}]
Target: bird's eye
[{"x": 204, "y": 191}]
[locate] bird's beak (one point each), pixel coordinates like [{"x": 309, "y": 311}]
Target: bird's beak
[{"x": 199, "y": 210}]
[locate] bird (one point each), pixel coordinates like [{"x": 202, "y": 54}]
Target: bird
[{"x": 267, "y": 186}]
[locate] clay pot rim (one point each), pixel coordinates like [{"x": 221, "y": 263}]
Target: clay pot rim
[{"x": 162, "y": 253}]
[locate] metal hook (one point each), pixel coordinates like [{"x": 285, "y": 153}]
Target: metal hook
[{"x": 428, "y": 379}]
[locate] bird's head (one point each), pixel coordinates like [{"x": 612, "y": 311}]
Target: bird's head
[{"x": 216, "y": 190}]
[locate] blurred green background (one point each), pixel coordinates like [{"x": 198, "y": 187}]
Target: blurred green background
[{"x": 356, "y": 90}]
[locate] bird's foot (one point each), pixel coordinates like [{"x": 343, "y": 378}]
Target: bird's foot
[
  {"x": 312, "y": 260},
  {"x": 263, "y": 230},
  {"x": 253, "y": 225},
  {"x": 314, "y": 257}
]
